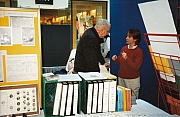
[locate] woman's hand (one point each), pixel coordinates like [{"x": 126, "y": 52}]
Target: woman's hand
[
  {"x": 114, "y": 57},
  {"x": 124, "y": 55}
]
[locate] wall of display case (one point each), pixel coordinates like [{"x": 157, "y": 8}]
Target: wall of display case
[
  {"x": 4, "y": 3},
  {"x": 85, "y": 15},
  {"x": 55, "y": 16}
]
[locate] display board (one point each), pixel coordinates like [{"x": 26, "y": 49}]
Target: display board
[{"x": 20, "y": 51}]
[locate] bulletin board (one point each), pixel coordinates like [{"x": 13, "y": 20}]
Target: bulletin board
[{"x": 20, "y": 49}]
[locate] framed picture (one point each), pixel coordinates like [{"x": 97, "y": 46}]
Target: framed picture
[{"x": 19, "y": 99}]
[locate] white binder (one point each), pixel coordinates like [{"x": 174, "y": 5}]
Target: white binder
[
  {"x": 106, "y": 96},
  {"x": 89, "y": 97},
  {"x": 57, "y": 99},
  {"x": 95, "y": 94},
  {"x": 100, "y": 96},
  {"x": 75, "y": 98},
  {"x": 63, "y": 100},
  {"x": 69, "y": 98},
  {"x": 112, "y": 96}
]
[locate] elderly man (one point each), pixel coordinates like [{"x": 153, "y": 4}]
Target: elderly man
[{"x": 88, "y": 54}]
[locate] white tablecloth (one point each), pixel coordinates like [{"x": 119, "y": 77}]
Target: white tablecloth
[{"x": 141, "y": 109}]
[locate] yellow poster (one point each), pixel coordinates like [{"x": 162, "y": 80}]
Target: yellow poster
[{"x": 20, "y": 50}]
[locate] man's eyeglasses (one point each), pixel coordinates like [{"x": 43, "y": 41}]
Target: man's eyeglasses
[{"x": 107, "y": 30}]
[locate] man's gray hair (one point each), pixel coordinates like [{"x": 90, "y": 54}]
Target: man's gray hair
[{"x": 103, "y": 23}]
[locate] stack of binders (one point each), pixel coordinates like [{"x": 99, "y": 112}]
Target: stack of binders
[
  {"x": 123, "y": 102},
  {"x": 98, "y": 93},
  {"x": 66, "y": 101}
]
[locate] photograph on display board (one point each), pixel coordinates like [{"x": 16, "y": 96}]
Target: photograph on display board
[{"x": 5, "y": 36}]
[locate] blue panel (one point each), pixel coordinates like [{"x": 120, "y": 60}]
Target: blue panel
[{"x": 125, "y": 14}]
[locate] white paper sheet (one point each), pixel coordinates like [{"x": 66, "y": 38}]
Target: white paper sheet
[
  {"x": 21, "y": 67},
  {"x": 91, "y": 75},
  {"x": 69, "y": 77}
]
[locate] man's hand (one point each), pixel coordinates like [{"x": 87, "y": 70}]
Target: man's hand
[{"x": 107, "y": 65}]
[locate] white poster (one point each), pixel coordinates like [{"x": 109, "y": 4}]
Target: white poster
[{"x": 158, "y": 19}]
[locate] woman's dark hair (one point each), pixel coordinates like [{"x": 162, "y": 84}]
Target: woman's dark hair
[{"x": 136, "y": 34}]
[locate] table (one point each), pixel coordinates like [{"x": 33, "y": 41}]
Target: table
[{"x": 141, "y": 109}]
